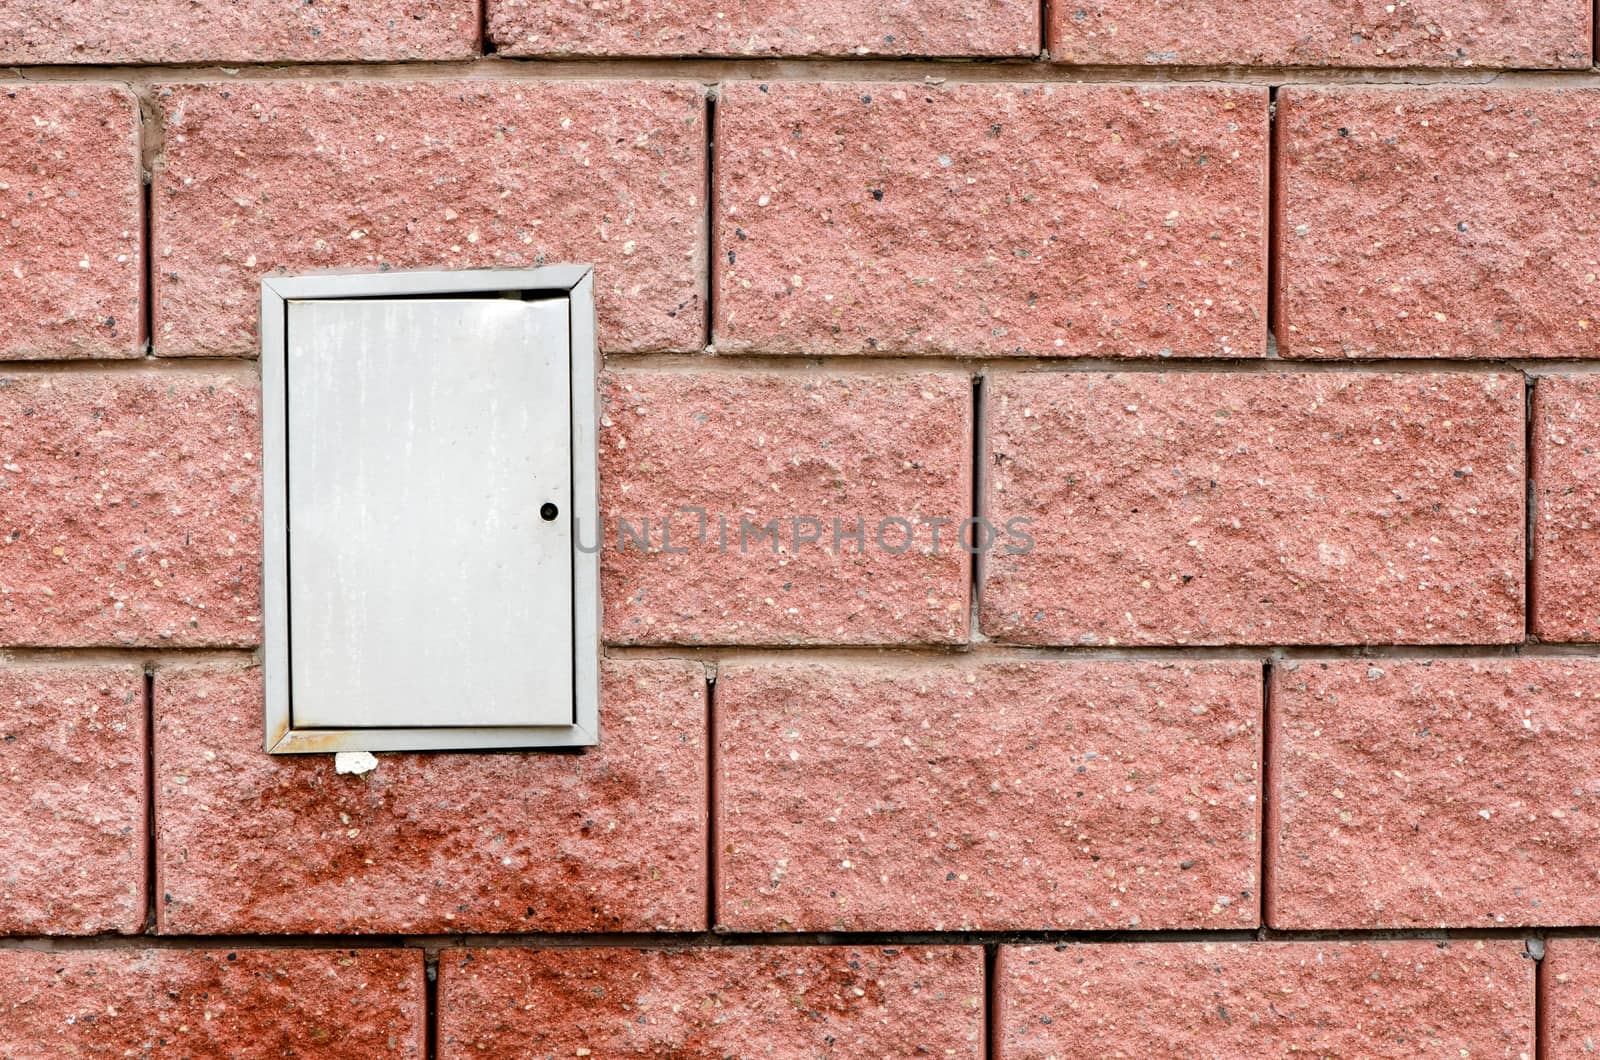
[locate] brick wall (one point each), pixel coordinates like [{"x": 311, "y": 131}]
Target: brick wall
[{"x": 1275, "y": 319}]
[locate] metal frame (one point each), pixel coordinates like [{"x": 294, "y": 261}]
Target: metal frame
[{"x": 576, "y": 284}]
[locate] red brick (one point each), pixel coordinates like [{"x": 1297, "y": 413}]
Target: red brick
[
  {"x": 71, "y": 221},
  {"x": 240, "y": 1003},
  {"x": 785, "y": 27},
  {"x": 707, "y": 1004},
  {"x": 242, "y": 31},
  {"x": 613, "y": 839},
  {"x": 1265, "y": 508},
  {"x": 1565, "y": 595},
  {"x": 1438, "y": 222},
  {"x": 1377, "y": 999},
  {"x": 1451, "y": 792},
  {"x": 1522, "y": 34},
  {"x": 72, "y": 807},
  {"x": 1042, "y": 220},
  {"x": 275, "y": 177},
  {"x": 129, "y": 509},
  {"x": 1003, "y": 796},
  {"x": 760, "y": 448},
  {"x": 1569, "y": 999}
]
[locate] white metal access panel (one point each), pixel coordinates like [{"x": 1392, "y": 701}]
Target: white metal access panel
[
  {"x": 429, "y": 450},
  {"x": 424, "y": 585}
]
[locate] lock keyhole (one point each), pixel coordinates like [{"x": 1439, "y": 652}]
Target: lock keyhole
[{"x": 548, "y": 512}]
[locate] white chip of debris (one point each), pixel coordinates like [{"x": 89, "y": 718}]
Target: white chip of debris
[{"x": 357, "y": 762}]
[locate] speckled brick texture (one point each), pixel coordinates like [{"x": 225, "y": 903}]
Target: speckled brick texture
[
  {"x": 1519, "y": 34},
  {"x": 130, "y": 509},
  {"x": 612, "y": 839},
  {"x": 1377, "y": 999},
  {"x": 696, "y": 468},
  {"x": 1569, "y": 999},
  {"x": 952, "y": 796},
  {"x": 238, "y": 31},
  {"x": 765, "y": 27},
  {"x": 780, "y": 1002},
  {"x": 1037, "y": 220},
  {"x": 71, "y": 221},
  {"x": 333, "y": 1004},
  {"x": 1433, "y": 793},
  {"x": 72, "y": 805},
  {"x": 1254, "y": 349},
  {"x": 1195, "y": 508},
  {"x": 272, "y": 177},
  {"x": 1437, "y": 222},
  {"x": 1565, "y": 467}
]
